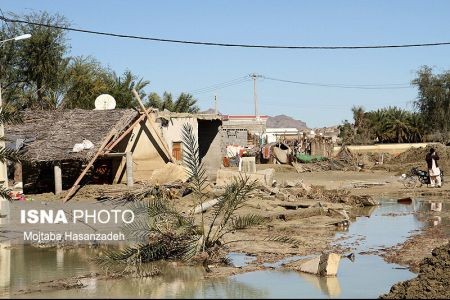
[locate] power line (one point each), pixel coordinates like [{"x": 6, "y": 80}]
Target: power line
[
  {"x": 213, "y": 86},
  {"x": 227, "y": 44},
  {"x": 2, "y": 17},
  {"x": 219, "y": 86},
  {"x": 343, "y": 86}
]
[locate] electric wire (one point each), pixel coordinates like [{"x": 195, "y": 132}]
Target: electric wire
[
  {"x": 218, "y": 87},
  {"x": 5, "y": 19},
  {"x": 344, "y": 86}
]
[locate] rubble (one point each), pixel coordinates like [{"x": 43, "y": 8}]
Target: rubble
[
  {"x": 264, "y": 177},
  {"x": 415, "y": 157},
  {"x": 327, "y": 264},
  {"x": 169, "y": 173}
]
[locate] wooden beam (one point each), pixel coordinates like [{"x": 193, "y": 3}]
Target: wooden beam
[
  {"x": 161, "y": 142},
  {"x": 89, "y": 165},
  {"x": 118, "y": 154},
  {"x": 129, "y": 166},
  {"x": 111, "y": 145}
]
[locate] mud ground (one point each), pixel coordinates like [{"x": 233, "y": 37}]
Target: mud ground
[
  {"x": 314, "y": 232},
  {"x": 432, "y": 282}
]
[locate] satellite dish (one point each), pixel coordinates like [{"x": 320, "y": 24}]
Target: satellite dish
[{"x": 104, "y": 102}]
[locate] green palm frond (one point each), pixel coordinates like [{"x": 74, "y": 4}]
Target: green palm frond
[
  {"x": 116, "y": 256},
  {"x": 139, "y": 229},
  {"x": 9, "y": 154},
  {"x": 4, "y": 193},
  {"x": 9, "y": 115},
  {"x": 192, "y": 248},
  {"x": 243, "y": 222}
]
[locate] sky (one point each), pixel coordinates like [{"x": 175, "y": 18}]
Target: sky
[{"x": 188, "y": 68}]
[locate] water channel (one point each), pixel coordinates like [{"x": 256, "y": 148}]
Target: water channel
[{"x": 368, "y": 276}]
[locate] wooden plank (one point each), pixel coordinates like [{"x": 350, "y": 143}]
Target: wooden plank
[
  {"x": 161, "y": 142},
  {"x": 89, "y": 165},
  {"x": 111, "y": 145},
  {"x": 129, "y": 168}
]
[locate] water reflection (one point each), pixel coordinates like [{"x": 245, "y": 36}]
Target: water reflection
[
  {"x": 21, "y": 265},
  {"x": 240, "y": 259},
  {"x": 328, "y": 285},
  {"x": 5, "y": 267},
  {"x": 4, "y": 211},
  {"x": 382, "y": 226}
]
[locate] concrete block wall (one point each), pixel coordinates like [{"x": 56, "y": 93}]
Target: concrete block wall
[{"x": 233, "y": 137}]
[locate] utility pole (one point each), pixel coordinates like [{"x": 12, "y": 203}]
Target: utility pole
[
  {"x": 215, "y": 104},
  {"x": 3, "y": 165},
  {"x": 255, "y": 95}
]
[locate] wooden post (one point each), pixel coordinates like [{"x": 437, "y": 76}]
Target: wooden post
[
  {"x": 89, "y": 165},
  {"x": 129, "y": 166},
  {"x": 161, "y": 141},
  {"x": 58, "y": 178}
]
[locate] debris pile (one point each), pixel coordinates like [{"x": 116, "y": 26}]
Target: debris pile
[
  {"x": 291, "y": 195},
  {"x": 415, "y": 157},
  {"x": 293, "y": 191},
  {"x": 343, "y": 161},
  {"x": 174, "y": 190}
]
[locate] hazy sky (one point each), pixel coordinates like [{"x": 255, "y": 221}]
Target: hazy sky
[{"x": 177, "y": 68}]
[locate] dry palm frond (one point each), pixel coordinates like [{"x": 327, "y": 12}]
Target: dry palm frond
[
  {"x": 243, "y": 222},
  {"x": 283, "y": 239}
]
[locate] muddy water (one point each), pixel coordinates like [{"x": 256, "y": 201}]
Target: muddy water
[{"x": 367, "y": 276}]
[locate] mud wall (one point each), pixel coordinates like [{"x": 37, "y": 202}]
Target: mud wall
[
  {"x": 210, "y": 143},
  {"x": 147, "y": 156}
]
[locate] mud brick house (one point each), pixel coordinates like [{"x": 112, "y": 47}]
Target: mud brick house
[{"x": 126, "y": 146}]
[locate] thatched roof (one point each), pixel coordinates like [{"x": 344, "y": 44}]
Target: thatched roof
[
  {"x": 53, "y": 133},
  {"x": 200, "y": 116}
]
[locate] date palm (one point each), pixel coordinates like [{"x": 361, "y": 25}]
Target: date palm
[
  {"x": 8, "y": 115},
  {"x": 161, "y": 232}
]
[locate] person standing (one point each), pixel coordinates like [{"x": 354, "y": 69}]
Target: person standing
[{"x": 433, "y": 168}]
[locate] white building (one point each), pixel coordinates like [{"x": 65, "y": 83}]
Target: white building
[{"x": 276, "y": 134}]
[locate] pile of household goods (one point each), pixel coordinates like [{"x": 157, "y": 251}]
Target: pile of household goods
[{"x": 343, "y": 161}]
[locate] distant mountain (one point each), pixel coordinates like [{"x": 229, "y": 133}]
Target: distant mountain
[
  {"x": 210, "y": 111},
  {"x": 283, "y": 121}
]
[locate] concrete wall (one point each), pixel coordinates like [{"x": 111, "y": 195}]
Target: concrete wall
[
  {"x": 275, "y": 134},
  {"x": 173, "y": 132},
  {"x": 381, "y": 148},
  {"x": 237, "y": 137}
]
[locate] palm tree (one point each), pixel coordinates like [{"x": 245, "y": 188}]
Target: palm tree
[
  {"x": 123, "y": 85},
  {"x": 184, "y": 103},
  {"x": 376, "y": 120},
  {"x": 417, "y": 127},
  {"x": 8, "y": 115},
  {"x": 397, "y": 124},
  {"x": 358, "y": 116}
]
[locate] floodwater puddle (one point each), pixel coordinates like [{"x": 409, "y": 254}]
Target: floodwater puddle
[
  {"x": 239, "y": 260},
  {"x": 378, "y": 227}
]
